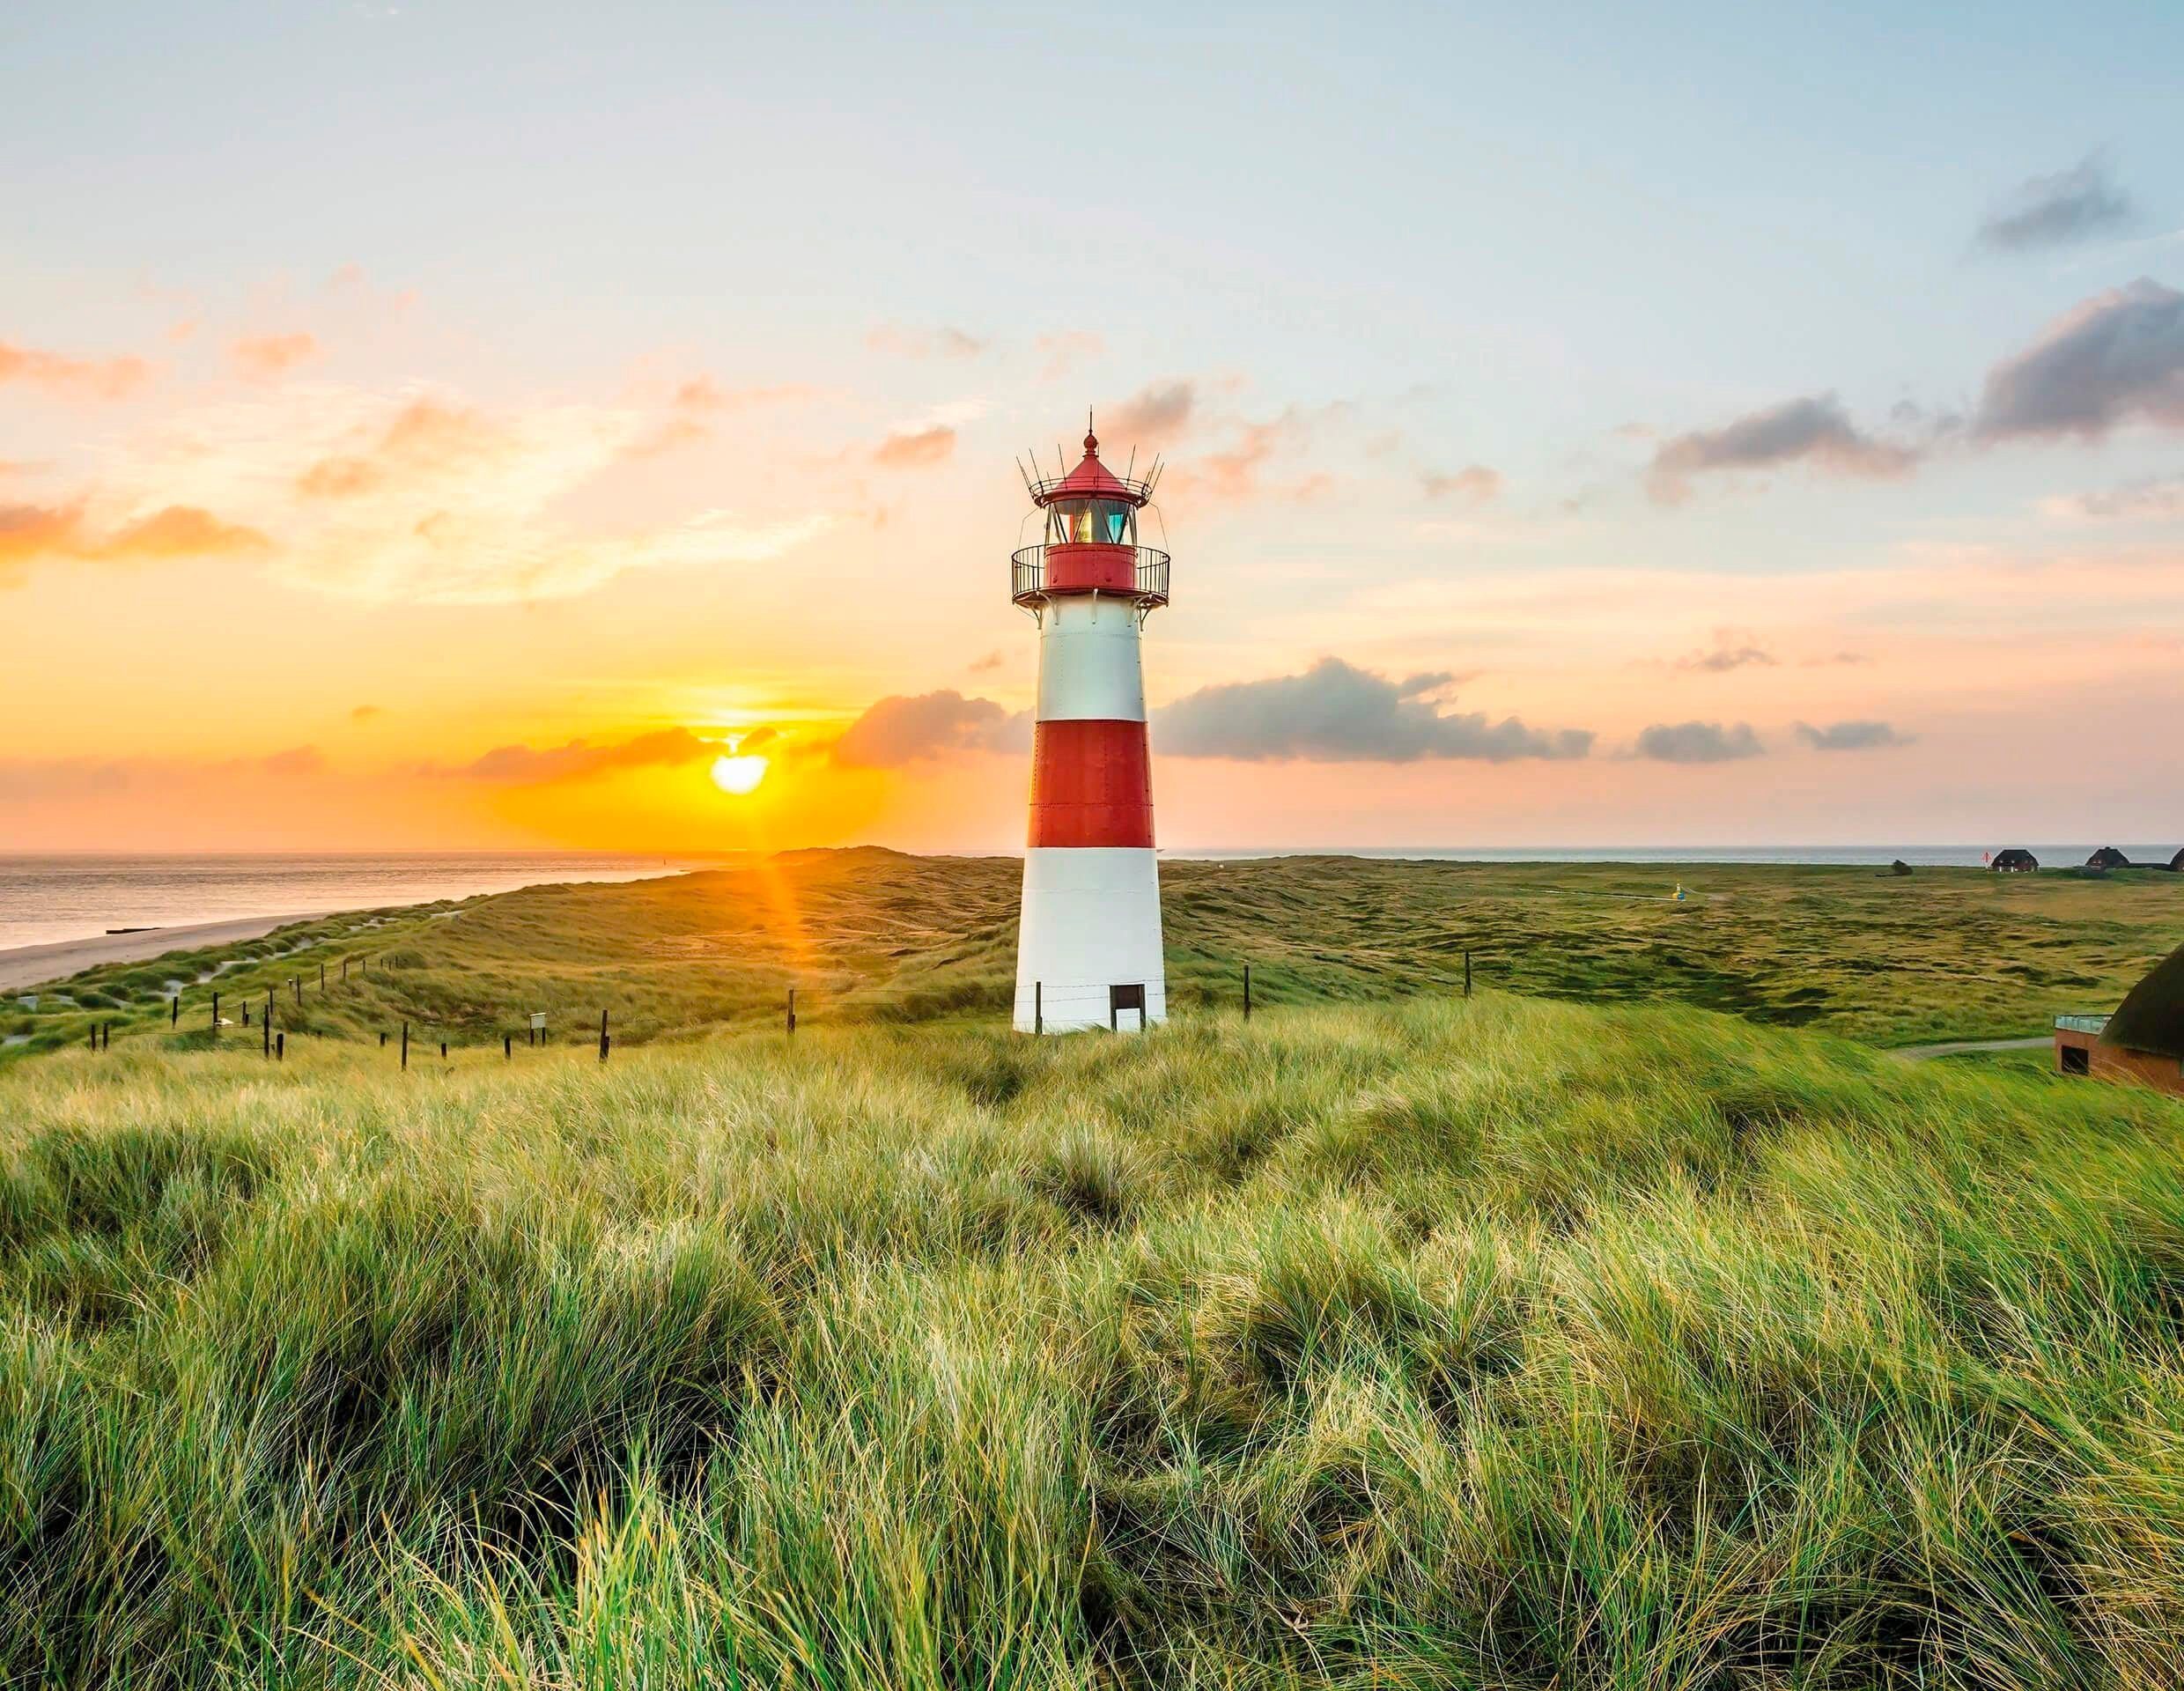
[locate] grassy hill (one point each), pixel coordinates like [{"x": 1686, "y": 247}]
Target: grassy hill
[
  {"x": 871, "y": 936},
  {"x": 1507, "y": 1343}
]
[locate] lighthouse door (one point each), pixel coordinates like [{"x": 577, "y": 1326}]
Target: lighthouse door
[{"x": 1125, "y": 998}]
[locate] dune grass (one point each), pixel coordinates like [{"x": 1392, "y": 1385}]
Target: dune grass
[
  {"x": 872, "y": 936},
  {"x": 1505, "y": 1344}
]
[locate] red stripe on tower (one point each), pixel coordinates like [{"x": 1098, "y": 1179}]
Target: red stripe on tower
[{"x": 1091, "y": 784}]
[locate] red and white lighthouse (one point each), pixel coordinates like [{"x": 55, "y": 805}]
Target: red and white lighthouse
[{"x": 1088, "y": 946}]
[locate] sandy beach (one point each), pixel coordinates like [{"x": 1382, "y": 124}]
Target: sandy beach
[{"x": 30, "y": 965}]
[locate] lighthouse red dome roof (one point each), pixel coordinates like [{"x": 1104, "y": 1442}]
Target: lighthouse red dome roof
[{"x": 1092, "y": 480}]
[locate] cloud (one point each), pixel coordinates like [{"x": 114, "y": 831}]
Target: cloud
[
  {"x": 297, "y": 761},
  {"x": 992, "y": 660},
  {"x": 45, "y": 780},
  {"x": 943, "y": 342},
  {"x": 1813, "y": 430},
  {"x": 264, "y": 355},
  {"x": 582, "y": 759},
  {"x": 72, "y": 378},
  {"x": 1730, "y": 650},
  {"x": 1335, "y": 712},
  {"x": 1233, "y": 473},
  {"x": 420, "y": 497},
  {"x": 1158, "y": 411},
  {"x": 1697, "y": 742},
  {"x": 915, "y": 448},
  {"x": 2156, "y": 498},
  {"x": 1063, "y": 351},
  {"x": 1474, "y": 484},
  {"x": 2071, "y": 206},
  {"x": 365, "y": 713},
  {"x": 1852, "y": 736},
  {"x": 902, "y": 729},
  {"x": 30, "y": 533},
  {"x": 2115, "y": 359},
  {"x": 697, "y": 403}
]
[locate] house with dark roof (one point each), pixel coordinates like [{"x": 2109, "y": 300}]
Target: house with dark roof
[
  {"x": 2016, "y": 861},
  {"x": 2143, "y": 1041}
]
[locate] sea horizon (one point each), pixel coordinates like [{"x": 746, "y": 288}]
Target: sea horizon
[{"x": 56, "y": 896}]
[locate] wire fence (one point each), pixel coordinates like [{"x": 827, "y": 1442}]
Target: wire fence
[{"x": 1039, "y": 1009}]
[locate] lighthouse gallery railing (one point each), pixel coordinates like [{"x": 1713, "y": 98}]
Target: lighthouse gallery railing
[{"x": 1028, "y": 575}]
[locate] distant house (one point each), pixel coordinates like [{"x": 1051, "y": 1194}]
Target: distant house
[
  {"x": 2176, "y": 863},
  {"x": 2016, "y": 861},
  {"x": 2107, "y": 858},
  {"x": 2143, "y": 1041}
]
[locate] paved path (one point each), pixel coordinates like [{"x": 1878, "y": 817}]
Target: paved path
[
  {"x": 28, "y": 965},
  {"x": 1958, "y": 1047}
]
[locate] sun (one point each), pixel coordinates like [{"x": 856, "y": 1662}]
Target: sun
[{"x": 739, "y": 774}]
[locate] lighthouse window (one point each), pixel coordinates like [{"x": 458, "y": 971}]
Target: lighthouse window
[{"x": 1103, "y": 522}]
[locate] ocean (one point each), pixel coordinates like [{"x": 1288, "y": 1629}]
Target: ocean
[
  {"x": 45, "y": 899},
  {"x": 48, "y": 898}
]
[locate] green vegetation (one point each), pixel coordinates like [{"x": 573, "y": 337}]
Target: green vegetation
[
  {"x": 1506, "y": 1343},
  {"x": 875, "y": 936}
]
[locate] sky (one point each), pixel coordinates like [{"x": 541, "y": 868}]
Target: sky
[{"x": 465, "y": 425}]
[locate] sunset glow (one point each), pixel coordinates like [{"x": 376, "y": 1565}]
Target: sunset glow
[{"x": 1679, "y": 480}]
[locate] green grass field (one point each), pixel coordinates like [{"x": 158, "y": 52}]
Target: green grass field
[
  {"x": 1389, "y": 1340},
  {"x": 871, "y": 935},
  {"x": 1426, "y": 1344}
]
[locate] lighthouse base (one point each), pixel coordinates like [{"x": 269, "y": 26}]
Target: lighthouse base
[{"x": 1088, "y": 951}]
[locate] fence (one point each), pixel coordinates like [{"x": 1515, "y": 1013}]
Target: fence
[{"x": 1061, "y": 1008}]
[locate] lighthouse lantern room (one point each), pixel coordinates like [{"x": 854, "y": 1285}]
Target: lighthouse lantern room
[{"x": 1088, "y": 947}]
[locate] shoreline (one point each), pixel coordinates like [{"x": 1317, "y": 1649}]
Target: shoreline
[{"x": 25, "y": 967}]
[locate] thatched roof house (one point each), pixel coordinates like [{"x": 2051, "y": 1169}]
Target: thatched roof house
[
  {"x": 2107, "y": 858},
  {"x": 2016, "y": 861},
  {"x": 2176, "y": 863},
  {"x": 2152, "y": 1016},
  {"x": 2143, "y": 1041}
]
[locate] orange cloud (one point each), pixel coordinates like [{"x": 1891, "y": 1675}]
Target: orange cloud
[
  {"x": 74, "y": 378},
  {"x": 581, "y": 759},
  {"x": 264, "y": 355},
  {"x": 423, "y": 434},
  {"x": 944, "y": 343},
  {"x": 917, "y": 447},
  {"x": 29, "y": 532},
  {"x": 1474, "y": 484}
]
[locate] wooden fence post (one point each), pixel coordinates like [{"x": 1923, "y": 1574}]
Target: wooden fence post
[
  {"x": 280, "y": 1049},
  {"x": 603, "y": 1041},
  {"x": 1468, "y": 974},
  {"x": 176, "y": 1020},
  {"x": 443, "y": 1051},
  {"x": 1247, "y": 992},
  {"x": 508, "y": 1045},
  {"x": 265, "y": 1035},
  {"x": 405, "y": 1046},
  {"x": 216, "y": 1012},
  {"x": 1038, "y": 1006},
  {"x": 792, "y": 1009},
  {"x": 321, "y": 976}
]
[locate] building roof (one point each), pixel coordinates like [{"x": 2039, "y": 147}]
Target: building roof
[
  {"x": 2152, "y": 1016},
  {"x": 1093, "y": 480}
]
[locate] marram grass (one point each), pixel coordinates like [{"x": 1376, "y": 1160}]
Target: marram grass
[{"x": 1503, "y": 1344}]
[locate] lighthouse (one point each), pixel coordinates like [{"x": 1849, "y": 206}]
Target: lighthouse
[{"x": 1088, "y": 945}]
